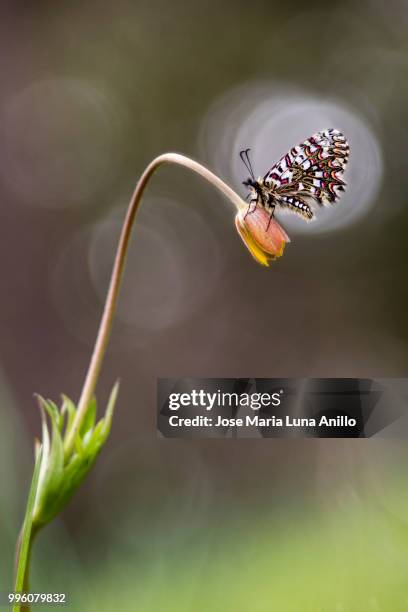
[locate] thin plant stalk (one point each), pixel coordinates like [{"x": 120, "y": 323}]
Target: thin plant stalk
[
  {"x": 66, "y": 459},
  {"x": 117, "y": 274},
  {"x": 26, "y": 540},
  {"x": 29, "y": 529}
]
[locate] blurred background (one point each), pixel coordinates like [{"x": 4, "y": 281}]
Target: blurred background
[{"x": 89, "y": 94}]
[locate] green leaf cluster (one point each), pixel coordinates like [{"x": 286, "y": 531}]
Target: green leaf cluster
[{"x": 60, "y": 475}]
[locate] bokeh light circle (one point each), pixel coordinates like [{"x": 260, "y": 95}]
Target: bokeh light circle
[
  {"x": 172, "y": 265},
  {"x": 60, "y": 142},
  {"x": 270, "y": 119}
]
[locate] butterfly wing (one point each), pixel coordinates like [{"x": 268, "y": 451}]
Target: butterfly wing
[
  {"x": 312, "y": 169},
  {"x": 296, "y": 205}
]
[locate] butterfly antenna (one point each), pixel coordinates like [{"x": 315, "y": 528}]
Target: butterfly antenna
[
  {"x": 245, "y": 159},
  {"x": 249, "y": 163}
]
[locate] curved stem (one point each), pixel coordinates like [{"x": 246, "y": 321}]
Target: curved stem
[
  {"x": 25, "y": 541},
  {"x": 26, "y": 583},
  {"x": 117, "y": 273}
]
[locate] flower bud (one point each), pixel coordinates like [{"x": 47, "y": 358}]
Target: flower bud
[{"x": 262, "y": 235}]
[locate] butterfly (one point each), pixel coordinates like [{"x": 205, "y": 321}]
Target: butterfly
[{"x": 311, "y": 171}]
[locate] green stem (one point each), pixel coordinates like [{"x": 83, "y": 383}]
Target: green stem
[
  {"x": 25, "y": 541},
  {"x": 117, "y": 274}
]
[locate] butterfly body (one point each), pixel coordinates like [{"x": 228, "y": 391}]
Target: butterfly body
[{"x": 309, "y": 172}]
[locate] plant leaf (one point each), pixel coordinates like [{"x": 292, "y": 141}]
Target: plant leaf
[
  {"x": 59, "y": 479},
  {"x": 107, "y": 421},
  {"x": 52, "y": 471},
  {"x": 68, "y": 410},
  {"x": 89, "y": 420}
]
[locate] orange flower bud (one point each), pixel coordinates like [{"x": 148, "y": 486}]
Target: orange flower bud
[{"x": 264, "y": 237}]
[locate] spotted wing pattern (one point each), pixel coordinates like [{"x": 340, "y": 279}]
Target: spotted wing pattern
[
  {"x": 297, "y": 205},
  {"x": 313, "y": 169}
]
